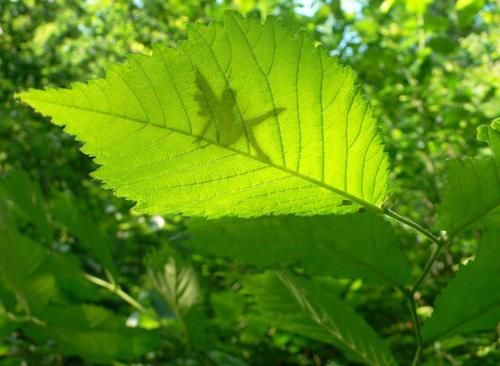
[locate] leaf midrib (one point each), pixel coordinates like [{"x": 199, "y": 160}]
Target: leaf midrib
[
  {"x": 481, "y": 311},
  {"x": 316, "y": 182},
  {"x": 340, "y": 336},
  {"x": 369, "y": 267},
  {"x": 474, "y": 218}
]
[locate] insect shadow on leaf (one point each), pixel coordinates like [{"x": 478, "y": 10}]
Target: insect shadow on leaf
[{"x": 220, "y": 112}]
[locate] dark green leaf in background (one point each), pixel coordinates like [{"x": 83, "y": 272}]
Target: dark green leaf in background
[
  {"x": 312, "y": 309},
  {"x": 350, "y": 246}
]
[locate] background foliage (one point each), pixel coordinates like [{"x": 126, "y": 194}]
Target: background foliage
[{"x": 430, "y": 70}]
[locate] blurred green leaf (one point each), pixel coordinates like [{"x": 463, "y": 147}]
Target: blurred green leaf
[
  {"x": 94, "y": 333},
  {"x": 442, "y": 44},
  {"x": 66, "y": 211},
  {"x": 28, "y": 201},
  {"x": 178, "y": 286},
  {"x": 22, "y": 265}
]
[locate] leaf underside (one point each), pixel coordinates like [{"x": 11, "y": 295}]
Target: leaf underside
[
  {"x": 360, "y": 245},
  {"x": 471, "y": 197},
  {"x": 311, "y": 308},
  {"x": 241, "y": 119},
  {"x": 471, "y": 302}
]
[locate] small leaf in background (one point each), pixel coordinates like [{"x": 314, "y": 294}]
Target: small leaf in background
[
  {"x": 417, "y": 6},
  {"x": 471, "y": 197},
  {"x": 442, "y": 44},
  {"x": 311, "y": 309},
  {"x": 242, "y": 119},
  {"x": 467, "y": 10},
  {"x": 178, "y": 286},
  {"x": 350, "y": 246},
  {"x": 471, "y": 302}
]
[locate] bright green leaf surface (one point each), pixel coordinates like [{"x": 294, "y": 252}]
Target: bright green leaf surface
[
  {"x": 94, "y": 333},
  {"x": 471, "y": 198},
  {"x": 352, "y": 246},
  {"x": 471, "y": 302},
  {"x": 312, "y": 310},
  {"x": 242, "y": 119}
]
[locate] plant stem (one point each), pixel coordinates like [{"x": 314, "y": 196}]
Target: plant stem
[
  {"x": 416, "y": 323},
  {"x": 438, "y": 243},
  {"x": 410, "y": 295},
  {"x": 115, "y": 288},
  {"x": 436, "y": 250},
  {"x": 408, "y": 222}
]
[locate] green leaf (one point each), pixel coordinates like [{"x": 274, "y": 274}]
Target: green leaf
[
  {"x": 242, "y": 119},
  {"x": 417, "y": 6},
  {"x": 491, "y": 135},
  {"x": 28, "y": 201},
  {"x": 70, "y": 279},
  {"x": 178, "y": 286},
  {"x": 65, "y": 210},
  {"x": 94, "y": 333},
  {"x": 23, "y": 265},
  {"x": 7, "y": 326},
  {"x": 312, "y": 310},
  {"x": 471, "y": 302},
  {"x": 463, "y": 4},
  {"x": 471, "y": 197},
  {"x": 352, "y": 246}
]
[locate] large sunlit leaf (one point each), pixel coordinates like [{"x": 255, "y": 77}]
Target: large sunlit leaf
[
  {"x": 471, "y": 197},
  {"x": 352, "y": 246},
  {"x": 313, "y": 310},
  {"x": 241, "y": 119},
  {"x": 471, "y": 302}
]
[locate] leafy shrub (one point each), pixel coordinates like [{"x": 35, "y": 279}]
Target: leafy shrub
[{"x": 265, "y": 140}]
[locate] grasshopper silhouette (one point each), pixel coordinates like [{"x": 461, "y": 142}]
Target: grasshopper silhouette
[{"x": 221, "y": 113}]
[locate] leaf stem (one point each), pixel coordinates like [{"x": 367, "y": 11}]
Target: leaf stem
[
  {"x": 410, "y": 296},
  {"x": 436, "y": 250},
  {"x": 116, "y": 289},
  {"x": 408, "y": 222},
  {"x": 438, "y": 243},
  {"x": 416, "y": 323}
]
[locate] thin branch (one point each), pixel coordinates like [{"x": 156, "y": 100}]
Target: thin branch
[
  {"x": 436, "y": 250},
  {"x": 116, "y": 289},
  {"x": 416, "y": 323}
]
